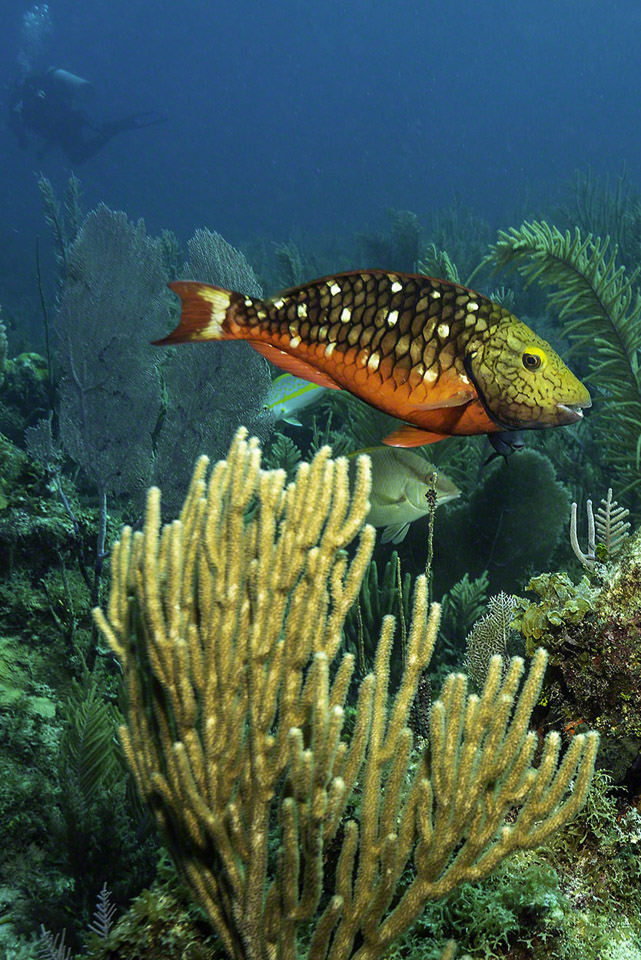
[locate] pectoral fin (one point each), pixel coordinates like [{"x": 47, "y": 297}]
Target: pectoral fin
[
  {"x": 409, "y": 436},
  {"x": 383, "y": 501},
  {"x": 395, "y": 532},
  {"x": 454, "y": 400}
]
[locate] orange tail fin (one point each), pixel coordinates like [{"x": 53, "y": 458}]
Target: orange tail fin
[{"x": 203, "y": 315}]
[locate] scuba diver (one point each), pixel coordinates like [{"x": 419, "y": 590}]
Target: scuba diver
[{"x": 48, "y": 106}]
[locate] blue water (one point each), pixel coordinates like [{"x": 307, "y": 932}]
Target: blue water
[{"x": 306, "y": 118}]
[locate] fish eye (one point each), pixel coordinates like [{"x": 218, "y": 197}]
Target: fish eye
[
  {"x": 533, "y": 358},
  {"x": 430, "y": 479}
]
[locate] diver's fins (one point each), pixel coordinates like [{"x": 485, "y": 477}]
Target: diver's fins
[{"x": 135, "y": 121}]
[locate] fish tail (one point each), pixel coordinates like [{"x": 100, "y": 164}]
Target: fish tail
[{"x": 207, "y": 313}]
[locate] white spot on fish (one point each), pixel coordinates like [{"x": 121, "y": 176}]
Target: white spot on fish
[
  {"x": 294, "y": 342},
  {"x": 374, "y": 361},
  {"x": 334, "y": 289},
  {"x": 392, "y": 317},
  {"x": 248, "y": 302},
  {"x": 329, "y": 349},
  {"x": 301, "y": 310},
  {"x": 346, "y": 315},
  {"x": 430, "y": 375},
  {"x": 397, "y": 287},
  {"x": 443, "y": 330},
  {"x": 435, "y": 295},
  {"x": 463, "y": 378},
  {"x": 261, "y": 314},
  {"x": 472, "y": 305},
  {"x": 279, "y": 303}
]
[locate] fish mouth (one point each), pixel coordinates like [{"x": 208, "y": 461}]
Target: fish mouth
[
  {"x": 572, "y": 411},
  {"x": 446, "y": 497}
]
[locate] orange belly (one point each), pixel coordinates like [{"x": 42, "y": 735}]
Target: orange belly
[{"x": 387, "y": 387}]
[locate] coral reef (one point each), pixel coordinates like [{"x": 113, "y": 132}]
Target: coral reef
[
  {"x": 71, "y": 814},
  {"x": 593, "y": 635},
  {"x": 238, "y": 738},
  {"x": 34, "y": 527},
  {"x": 23, "y": 394}
]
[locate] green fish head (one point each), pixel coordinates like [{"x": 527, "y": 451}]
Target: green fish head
[{"x": 521, "y": 381}]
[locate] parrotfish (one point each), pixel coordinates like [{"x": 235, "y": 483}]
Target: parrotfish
[
  {"x": 442, "y": 358},
  {"x": 401, "y": 480},
  {"x": 288, "y": 395}
]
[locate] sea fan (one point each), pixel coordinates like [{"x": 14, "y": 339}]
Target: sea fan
[
  {"x": 611, "y": 525},
  {"x": 53, "y": 948},
  {"x": 489, "y": 636},
  {"x": 103, "y": 914},
  {"x": 600, "y": 308}
]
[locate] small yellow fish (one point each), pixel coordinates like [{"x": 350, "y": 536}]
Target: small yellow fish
[
  {"x": 401, "y": 480},
  {"x": 433, "y": 353},
  {"x": 288, "y": 395}
]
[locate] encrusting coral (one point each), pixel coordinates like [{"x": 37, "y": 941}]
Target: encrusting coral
[
  {"x": 592, "y": 632},
  {"x": 291, "y": 833}
]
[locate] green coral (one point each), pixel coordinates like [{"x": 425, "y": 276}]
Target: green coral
[
  {"x": 509, "y": 525},
  {"x": 594, "y": 638},
  {"x": 88, "y": 755},
  {"x": 283, "y": 453},
  {"x": 522, "y": 899},
  {"x": 461, "y": 607},
  {"x": 579, "y": 895},
  {"x": 458, "y": 229},
  {"x": 599, "y": 858},
  {"x": 437, "y": 263},
  {"x": 35, "y": 528},
  {"x": 599, "y": 305},
  {"x": 92, "y": 830},
  {"x": 561, "y": 602},
  {"x": 65, "y": 807},
  {"x": 383, "y": 593},
  {"x": 603, "y": 208},
  {"x": 25, "y": 397},
  {"x": 162, "y": 923}
]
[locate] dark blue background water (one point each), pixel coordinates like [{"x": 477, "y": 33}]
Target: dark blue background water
[{"x": 313, "y": 117}]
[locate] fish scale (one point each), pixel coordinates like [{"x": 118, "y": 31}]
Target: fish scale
[
  {"x": 443, "y": 358},
  {"x": 382, "y": 323}
]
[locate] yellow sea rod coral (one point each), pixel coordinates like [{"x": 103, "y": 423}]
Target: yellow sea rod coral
[{"x": 228, "y": 625}]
